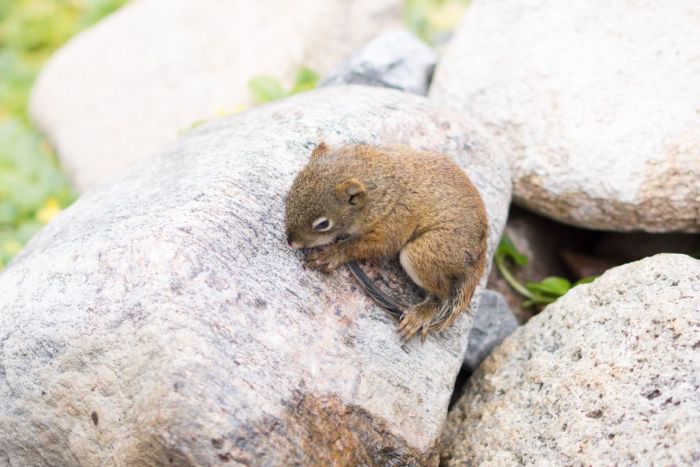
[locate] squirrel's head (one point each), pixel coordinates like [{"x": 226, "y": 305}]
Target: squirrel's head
[{"x": 325, "y": 200}]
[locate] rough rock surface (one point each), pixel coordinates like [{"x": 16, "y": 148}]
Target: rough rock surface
[
  {"x": 607, "y": 375},
  {"x": 123, "y": 89},
  {"x": 493, "y": 322},
  {"x": 163, "y": 319},
  {"x": 397, "y": 60},
  {"x": 595, "y": 101}
]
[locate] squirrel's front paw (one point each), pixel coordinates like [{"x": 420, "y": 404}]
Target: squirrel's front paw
[{"x": 326, "y": 260}]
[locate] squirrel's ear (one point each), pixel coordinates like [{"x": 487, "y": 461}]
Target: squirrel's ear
[
  {"x": 320, "y": 150},
  {"x": 351, "y": 191}
]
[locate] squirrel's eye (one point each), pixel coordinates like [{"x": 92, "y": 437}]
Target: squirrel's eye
[{"x": 322, "y": 224}]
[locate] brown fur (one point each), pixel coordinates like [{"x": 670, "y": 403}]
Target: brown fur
[{"x": 383, "y": 201}]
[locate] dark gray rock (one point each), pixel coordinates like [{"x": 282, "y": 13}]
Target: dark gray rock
[
  {"x": 397, "y": 60},
  {"x": 494, "y": 321}
]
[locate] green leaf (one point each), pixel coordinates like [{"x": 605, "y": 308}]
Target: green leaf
[
  {"x": 306, "y": 80},
  {"x": 265, "y": 89},
  {"x": 586, "y": 280},
  {"x": 507, "y": 249},
  {"x": 553, "y": 285}
]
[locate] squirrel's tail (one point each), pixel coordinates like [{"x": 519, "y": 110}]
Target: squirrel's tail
[
  {"x": 456, "y": 303},
  {"x": 459, "y": 300},
  {"x": 377, "y": 295}
]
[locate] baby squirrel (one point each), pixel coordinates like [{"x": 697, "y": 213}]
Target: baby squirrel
[{"x": 361, "y": 202}]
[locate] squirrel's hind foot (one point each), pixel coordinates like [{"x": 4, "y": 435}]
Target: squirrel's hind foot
[{"x": 418, "y": 319}]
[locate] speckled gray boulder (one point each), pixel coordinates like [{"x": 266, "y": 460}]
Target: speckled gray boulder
[
  {"x": 607, "y": 375},
  {"x": 596, "y": 102},
  {"x": 163, "y": 319},
  {"x": 493, "y": 322},
  {"x": 397, "y": 60},
  {"x": 121, "y": 90}
]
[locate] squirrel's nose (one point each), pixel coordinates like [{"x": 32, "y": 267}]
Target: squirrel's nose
[{"x": 293, "y": 243}]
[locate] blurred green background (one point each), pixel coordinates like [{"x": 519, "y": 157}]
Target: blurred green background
[{"x": 33, "y": 188}]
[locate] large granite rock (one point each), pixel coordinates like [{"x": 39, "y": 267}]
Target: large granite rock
[
  {"x": 596, "y": 102},
  {"x": 163, "y": 319},
  {"x": 121, "y": 90},
  {"x": 397, "y": 60},
  {"x": 607, "y": 375}
]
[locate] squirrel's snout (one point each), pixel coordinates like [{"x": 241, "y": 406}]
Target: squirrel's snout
[{"x": 293, "y": 243}]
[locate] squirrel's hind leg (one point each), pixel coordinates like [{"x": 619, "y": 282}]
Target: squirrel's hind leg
[{"x": 425, "y": 262}]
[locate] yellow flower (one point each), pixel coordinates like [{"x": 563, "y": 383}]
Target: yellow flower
[{"x": 49, "y": 211}]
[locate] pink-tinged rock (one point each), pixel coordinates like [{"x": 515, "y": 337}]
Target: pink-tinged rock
[{"x": 163, "y": 319}]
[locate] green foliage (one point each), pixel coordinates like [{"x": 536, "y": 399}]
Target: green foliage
[
  {"x": 553, "y": 285},
  {"x": 305, "y": 80},
  {"x": 415, "y": 17},
  {"x": 428, "y": 19},
  {"x": 17, "y": 77},
  {"x": 32, "y": 186},
  {"x": 535, "y": 293},
  {"x": 266, "y": 88},
  {"x": 507, "y": 249},
  {"x": 95, "y": 10}
]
